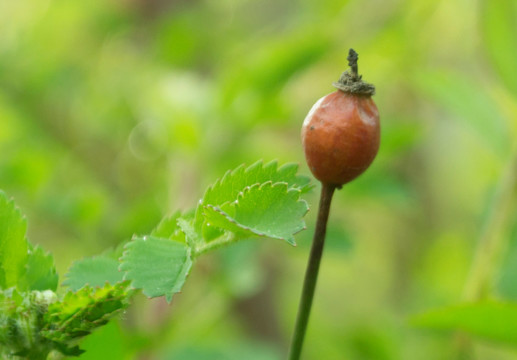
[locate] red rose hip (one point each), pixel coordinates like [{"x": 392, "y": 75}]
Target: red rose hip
[{"x": 341, "y": 132}]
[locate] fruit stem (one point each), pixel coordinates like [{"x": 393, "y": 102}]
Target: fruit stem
[
  {"x": 351, "y": 82},
  {"x": 352, "y": 62},
  {"x": 311, "y": 273}
]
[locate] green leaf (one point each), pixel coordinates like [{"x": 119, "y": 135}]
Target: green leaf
[
  {"x": 79, "y": 313},
  {"x": 40, "y": 272},
  {"x": 490, "y": 320},
  {"x": 34, "y": 323},
  {"x": 271, "y": 210},
  {"x": 167, "y": 227},
  {"x": 157, "y": 266},
  {"x": 107, "y": 343},
  {"x": 95, "y": 272},
  {"x": 233, "y": 182},
  {"x": 13, "y": 246},
  {"x": 187, "y": 227},
  {"x": 500, "y": 36}
]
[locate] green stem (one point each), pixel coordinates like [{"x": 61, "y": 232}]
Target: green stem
[
  {"x": 311, "y": 274},
  {"x": 492, "y": 240},
  {"x": 221, "y": 241},
  {"x": 491, "y": 244}
]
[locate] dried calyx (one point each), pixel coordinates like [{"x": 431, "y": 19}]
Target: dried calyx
[{"x": 351, "y": 82}]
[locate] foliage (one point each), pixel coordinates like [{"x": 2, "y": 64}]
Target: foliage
[
  {"x": 34, "y": 320},
  {"x": 261, "y": 200},
  {"x": 95, "y": 272},
  {"x": 158, "y": 266}
]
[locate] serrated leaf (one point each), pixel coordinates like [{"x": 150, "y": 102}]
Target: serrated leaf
[
  {"x": 79, "y": 313},
  {"x": 157, "y": 266},
  {"x": 95, "y": 272},
  {"x": 500, "y": 35},
  {"x": 115, "y": 252},
  {"x": 40, "y": 271},
  {"x": 187, "y": 227},
  {"x": 271, "y": 210},
  {"x": 234, "y": 182},
  {"x": 74, "y": 302},
  {"x": 13, "y": 246},
  {"x": 491, "y": 320},
  {"x": 167, "y": 227}
]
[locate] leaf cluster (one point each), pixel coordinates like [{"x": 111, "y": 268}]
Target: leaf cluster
[
  {"x": 262, "y": 200},
  {"x": 34, "y": 319},
  {"x": 259, "y": 201}
]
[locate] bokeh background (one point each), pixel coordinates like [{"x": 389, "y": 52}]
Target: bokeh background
[{"x": 115, "y": 113}]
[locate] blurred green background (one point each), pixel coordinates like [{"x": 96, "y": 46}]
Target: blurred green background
[{"x": 115, "y": 113}]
